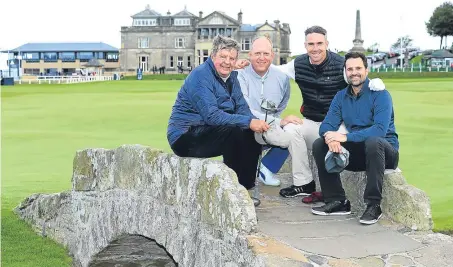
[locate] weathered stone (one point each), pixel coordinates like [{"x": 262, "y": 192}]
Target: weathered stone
[
  {"x": 342, "y": 263},
  {"x": 270, "y": 246},
  {"x": 397, "y": 259},
  {"x": 317, "y": 259},
  {"x": 133, "y": 251},
  {"x": 434, "y": 255},
  {"x": 401, "y": 202},
  {"x": 195, "y": 208},
  {"x": 371, "y": 262}
]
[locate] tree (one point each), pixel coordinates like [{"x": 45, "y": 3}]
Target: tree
[
  {"x": 441, "y": 22},
  {"x": 373, "y": 48},
  {"x": 407, "y": 41}
]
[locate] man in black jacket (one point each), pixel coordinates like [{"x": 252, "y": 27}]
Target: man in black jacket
[{"x": 319, "y": 75}]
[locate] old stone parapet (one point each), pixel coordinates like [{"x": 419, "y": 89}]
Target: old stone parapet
[{"x": 194, "y": 208}]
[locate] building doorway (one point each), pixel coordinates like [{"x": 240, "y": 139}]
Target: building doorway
[{"x": 143, "y": 63}]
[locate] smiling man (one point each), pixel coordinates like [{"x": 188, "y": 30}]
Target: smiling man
[
  {"x": 262, "y": 82},
  {"x": 211, "y": 118},
  {"x": 372, "y": 141}
]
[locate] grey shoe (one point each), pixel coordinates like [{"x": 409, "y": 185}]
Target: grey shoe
[{"x": 254, "y": 195}]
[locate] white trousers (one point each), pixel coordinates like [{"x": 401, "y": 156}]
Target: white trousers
[{"x": 298, "y": 138}]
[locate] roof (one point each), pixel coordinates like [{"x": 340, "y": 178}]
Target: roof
[
  {"x": 184, "y": 13},
  {"x": 62, "y": 47},
  {"x": 442, "y": 54},
  {"x": 226, "y": 16},
  {"x": 146, "y": 13},
  {"x": 253, "y": 28},
  {"x": 248, "y": 28}
]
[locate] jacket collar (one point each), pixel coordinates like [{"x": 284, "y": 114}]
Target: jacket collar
[{"x": 365, "y": 88}]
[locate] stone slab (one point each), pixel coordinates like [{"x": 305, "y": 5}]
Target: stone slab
[
  {"x": 327, "y": 229},
  {"x": 357, "y": 246}
]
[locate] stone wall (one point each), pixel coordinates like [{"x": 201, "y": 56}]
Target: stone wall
[{"x": 194, "y": 208}]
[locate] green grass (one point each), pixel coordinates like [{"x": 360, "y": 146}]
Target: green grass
[
  {"x": 416, "y": 60},
  {"x": 43, "y": 126}
]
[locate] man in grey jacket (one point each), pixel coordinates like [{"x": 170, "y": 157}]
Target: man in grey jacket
[{"x": 261, "y": 82}]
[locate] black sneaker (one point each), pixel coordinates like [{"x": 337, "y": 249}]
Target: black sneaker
[
  {"x": 372, "y": 214},
  {"x": 333, "y": 208},
  {"x": 294, "y": 191}
]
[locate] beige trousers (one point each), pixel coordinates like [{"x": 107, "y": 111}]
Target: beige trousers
[{"x": 298, "y": 138}]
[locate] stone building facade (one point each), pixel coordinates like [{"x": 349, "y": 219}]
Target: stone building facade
[{"x": 185, "y": 40}]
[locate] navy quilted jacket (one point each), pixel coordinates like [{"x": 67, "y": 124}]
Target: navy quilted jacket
[{"x": 204, "y": 99}]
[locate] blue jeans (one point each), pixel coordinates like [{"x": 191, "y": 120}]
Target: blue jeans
[{"x": 275, "y": 159}]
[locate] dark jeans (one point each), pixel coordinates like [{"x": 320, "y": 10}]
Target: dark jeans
[
  {"x": 238, "y": 147},
  {"x": 373, "y": 156}
]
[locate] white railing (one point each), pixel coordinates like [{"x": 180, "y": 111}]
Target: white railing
[{"x": 65, "y": 79}]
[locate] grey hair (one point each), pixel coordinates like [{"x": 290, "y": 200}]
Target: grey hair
[{"x": 221, "y": 42}]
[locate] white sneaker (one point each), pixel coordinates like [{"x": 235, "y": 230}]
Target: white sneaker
[{"x": 267, "y": 177}]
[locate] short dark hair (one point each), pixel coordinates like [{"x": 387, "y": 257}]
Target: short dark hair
[
  {"x": 356, "y": 55},
  {"x": 316, "y": 29}
]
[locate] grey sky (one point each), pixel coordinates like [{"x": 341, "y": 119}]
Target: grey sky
[{"x": 100, "y": 21}]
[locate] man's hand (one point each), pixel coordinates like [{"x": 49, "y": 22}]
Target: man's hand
[
  {"x": 377, "y": 84},
  {"x": 241, "y": 63},
  {"x": 334, "y": 147},
  {"x": 334, "y": 137},
  {"x": 259, "y": 126},
  {"x": 291, "y": 119}
]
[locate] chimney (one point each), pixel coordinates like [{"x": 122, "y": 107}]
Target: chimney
[
  {"x": 240, "y": 16},
  {"x": 168, "y": 13},
  {"x": 277, "y": 24},
  {"x": 200, "y": 14}
]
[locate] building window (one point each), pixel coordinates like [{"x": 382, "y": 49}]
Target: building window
[
  {"x": 112, "y": 57},
  {"x": 85, "y": 56},
  {"x": 246, "y": 43},
  {"x": 171, "y": 62},
  {"x": 180, "y": 42},
  {"x": 180, "y": 61},
  {"x": 31, "y": 57},
  {"x": 182, "y": 22},
  {"x": 31, "y": 71},
  {"x": 143, "y": 42},
  {"x": 67, "y": 56},
  {"x": 50, "y": 57},
  {"x": 188, "y": 62},
  {"x": 203, "y": 34},
  {"x": 100, "y": 55},
  {"x": 228, "y": 32},
  {"x": 205, "y": 55}
]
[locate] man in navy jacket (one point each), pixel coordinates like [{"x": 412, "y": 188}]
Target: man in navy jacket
[
  {"x": 372, "y": 141},
  {"x": 211, "y": 117}
]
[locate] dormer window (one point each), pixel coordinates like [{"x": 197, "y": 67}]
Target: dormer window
[
  {"x": 182, "y": 22},
  {"x": 144, "y": 22}
]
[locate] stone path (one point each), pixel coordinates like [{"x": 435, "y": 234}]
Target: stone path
[{"x": 341, "y": 240}]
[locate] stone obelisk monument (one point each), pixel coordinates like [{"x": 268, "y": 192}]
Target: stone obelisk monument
[{"x": 358, "y": 42}]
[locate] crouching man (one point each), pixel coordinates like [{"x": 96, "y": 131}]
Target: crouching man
[{"x": 372, "y": 141}]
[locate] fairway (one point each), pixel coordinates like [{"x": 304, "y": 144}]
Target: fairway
[{"x": 44, "y": 125}]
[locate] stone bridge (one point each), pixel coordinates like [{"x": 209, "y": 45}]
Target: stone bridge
[{"x": 137, "y": 206}]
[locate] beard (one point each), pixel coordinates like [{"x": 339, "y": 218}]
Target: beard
[{"x": 355, "y": 82}]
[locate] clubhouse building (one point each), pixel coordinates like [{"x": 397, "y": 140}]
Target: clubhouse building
[
  {"x": 184, "y": 40},
  {"x": 58, "y": 59}
]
